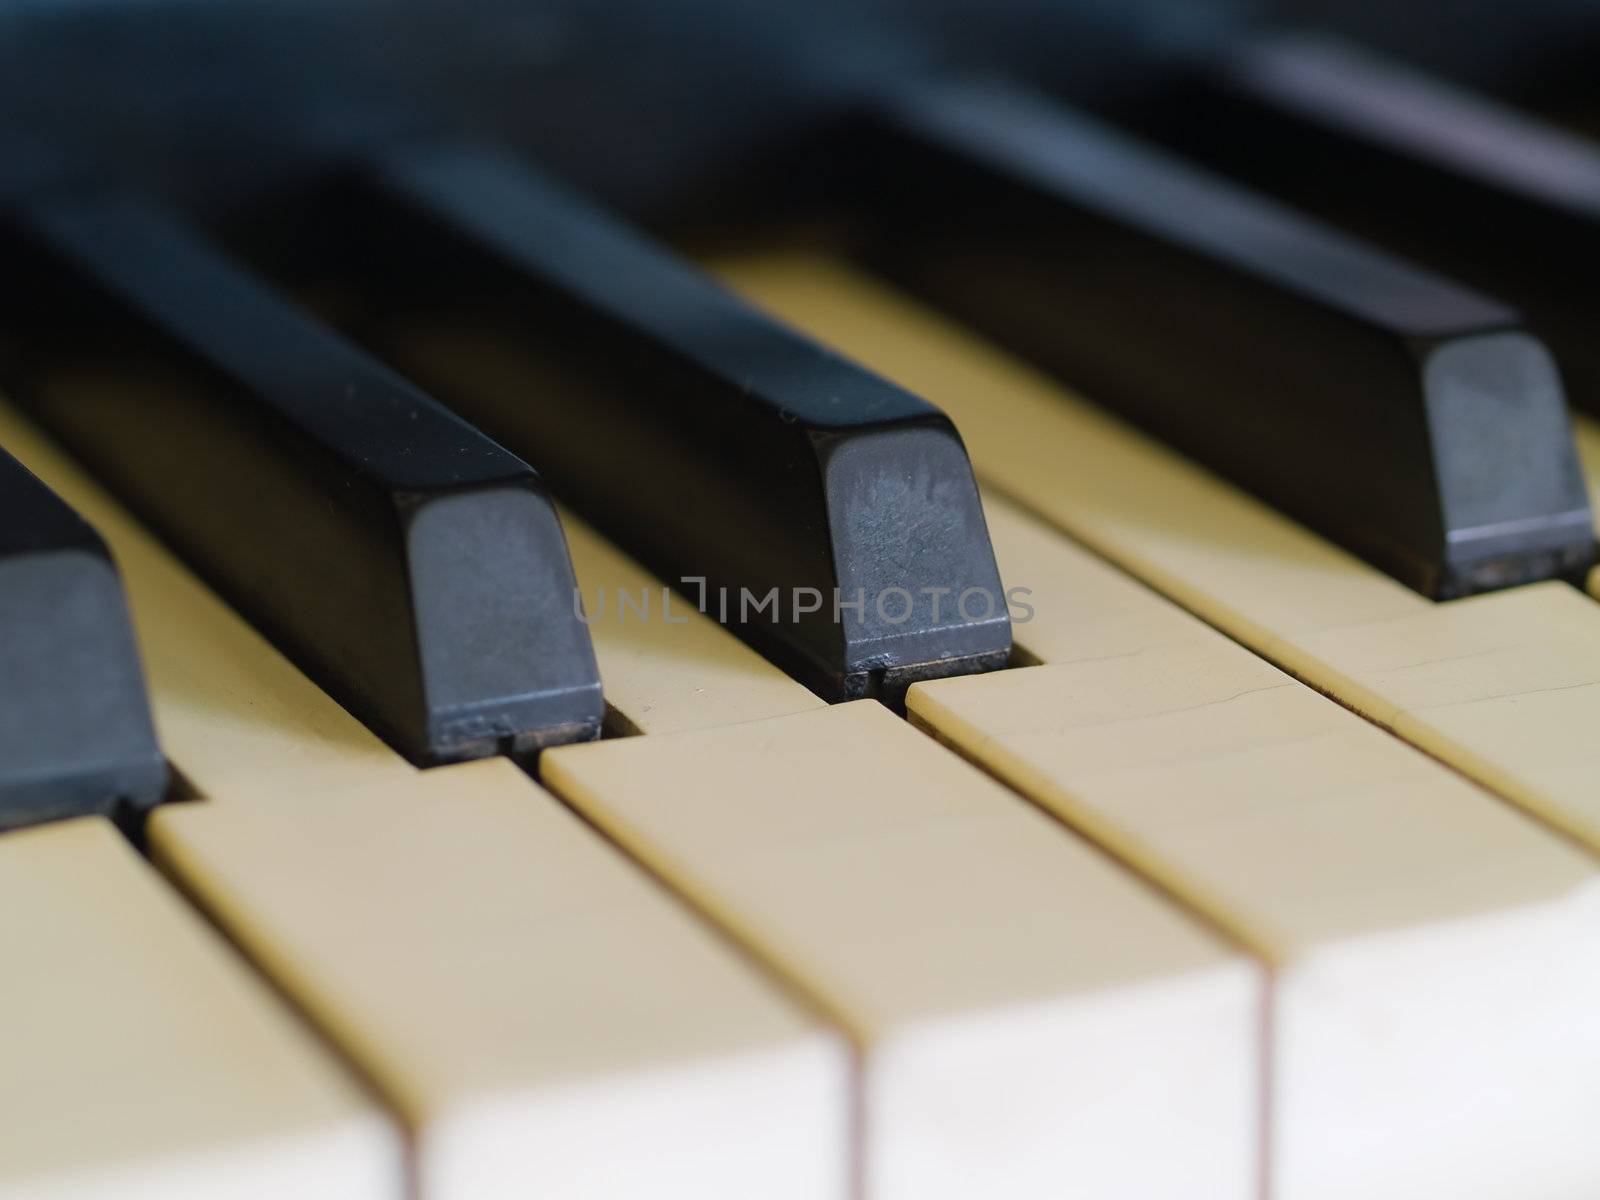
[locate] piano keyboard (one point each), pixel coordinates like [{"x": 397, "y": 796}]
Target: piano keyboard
[{"x": 1072, "y": 682}]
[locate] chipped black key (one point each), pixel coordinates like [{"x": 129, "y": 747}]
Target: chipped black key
[
  {"x": 1410, "y": 419},
  {"x": 827, "y": 515},
  {"x": 409, "y": 564},
  {"x": 1487, "y": 194},
  {"x": 75, "y": 731}
]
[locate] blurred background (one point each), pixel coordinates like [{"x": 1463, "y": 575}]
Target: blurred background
[{"x": 694, "y": 112}]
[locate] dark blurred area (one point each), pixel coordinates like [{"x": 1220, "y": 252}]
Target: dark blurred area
[{"x": 683, "y": 112}]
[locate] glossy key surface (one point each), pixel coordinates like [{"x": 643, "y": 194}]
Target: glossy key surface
[
  {"x": 1414, "y": 421},
  {"x": 406, "y": 561},
  {"x": 758, "y": 472},
  {"x": 75, "y": 732}
]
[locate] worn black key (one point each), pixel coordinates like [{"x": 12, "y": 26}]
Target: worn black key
[
  {"x": 409, "y": 564},
  {"x": 1494, "y": 197},
  {"x": 1410, "y": 419},
  {"x": 767, "y": 475},
  {"x": 75, "y": 731}
]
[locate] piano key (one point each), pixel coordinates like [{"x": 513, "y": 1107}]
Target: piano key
[
  {"x": 545, "y": 1020},
  {"x": 1406, "y": 912},
  {"x": 144, "y": 1061},
  {"x": 667, "y": 668},
  {"x": 276, "y": 736},
  {"x": 1028, "y": 1016},
  {"x": 1196, "y": 308},
  {"x": 538, "y": 1015},
  {"x": 75, "y": 731},
  {"x": 1493, "y": 196},
  {"x": 404, "y": 560},
  {"x": 1316, "y": 611},
  {"x": 624, "y": 376}
]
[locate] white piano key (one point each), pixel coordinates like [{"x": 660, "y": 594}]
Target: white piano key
[
  {"x": 143, "y": 1060},
  {"x": 666, "y": 668},
  {"x": 1031, "y": 1020},
  {"x": 1406, "y": 912},
  {"x": 548, "y": 1022}
]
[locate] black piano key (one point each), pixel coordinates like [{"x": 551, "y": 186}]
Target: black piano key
[
  {"x": 1410, "y": 419},
  {"x": 75, "y": 732},
  {"x": 1492, "y": 196},
  {"x": 728, "y": 453},
  {"x": 413, "y": 567}
]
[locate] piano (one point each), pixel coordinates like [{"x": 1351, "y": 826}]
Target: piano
[{"x": 834, "y": 602}]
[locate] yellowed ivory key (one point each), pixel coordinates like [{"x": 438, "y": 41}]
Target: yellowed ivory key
[
  {"x": 542, "y": 1015},
  {"x": 1030, "y": 1019}
]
